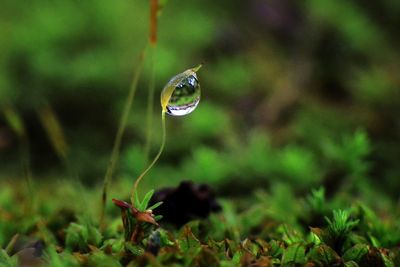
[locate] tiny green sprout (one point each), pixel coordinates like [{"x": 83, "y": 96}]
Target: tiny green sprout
[
  {"x": 341, "y": 223},
  {"x": 180, "y": 96},
  {"x": 316, "y": 200}
]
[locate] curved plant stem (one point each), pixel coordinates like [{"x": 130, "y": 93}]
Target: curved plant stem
[
  {"x": 118, "y": 138},
  {"x": 153, "y": 41},
  {"x": 134, "y": 191}
]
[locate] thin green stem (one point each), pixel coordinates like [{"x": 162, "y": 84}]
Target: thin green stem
[
  {"x": 27, "y": 173},
  {"x": 150, "y": 101},
  {"x": 12, "y": 243},
  {"x": 118, "y": 138},
  {"x": 54, "y": 130},
  {"x": 154, "y": 160}
]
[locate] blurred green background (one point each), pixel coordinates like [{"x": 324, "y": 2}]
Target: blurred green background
[{"x": 300, "y": 93}]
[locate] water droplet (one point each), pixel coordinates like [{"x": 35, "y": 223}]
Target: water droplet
[{"x": 181, "y": 95}]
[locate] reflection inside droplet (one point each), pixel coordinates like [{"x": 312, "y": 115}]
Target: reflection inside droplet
[{"x": 186, "y": 95}]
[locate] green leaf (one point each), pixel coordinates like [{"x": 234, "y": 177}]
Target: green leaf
[
  {"x": 116, "y": 245},
  {"x": 316, "y": 200},
  {"x": 355, "y": 253},
  {"x": 350, "y": 264},
  {"x": 341, "y": 223},
  {"x": 135, "y": 250},
  {"x": 155, "y": 206},
  {"x": 250, "y": 246},
  {"x": 188, "y": 240},
  {"x": 99, "y": 259},
  {"x": 94, "y": 236},
  {"x": 55, "y": 259},
  {"x": 15, "y": 121},
  {"x": 276, "y": 248},
  {"x": 295, "y": 253},
  {"x": 76, "y": 236},
  {"x": 189, "y": 245},
  {"x": 314, "y": 239},
  {"x": 145, "y": 202},
  {"x": 137, "y": 200},
  {"x": 80, "y": 236},
  {"x": 236, "y": 257},
  {"x": 6, "y": 260},
  {"x": 324, "y": 254},
  {"x": 290, "y": 236},
  {"x": 11, "y": 244},
  {"x": 374, "y": 241},
  {"x": 157, "y": 217},
  {"x": 164, "y": 239},
  {"x": 387, "y": 261}
]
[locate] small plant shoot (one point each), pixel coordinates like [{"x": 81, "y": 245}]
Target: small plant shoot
[{"x": 180, "y": 96}]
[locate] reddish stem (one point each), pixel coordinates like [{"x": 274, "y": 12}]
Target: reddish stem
[{"x": 153, "y": 21}]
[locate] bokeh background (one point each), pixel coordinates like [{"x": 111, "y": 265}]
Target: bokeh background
[{"x": 295, "y": 95}]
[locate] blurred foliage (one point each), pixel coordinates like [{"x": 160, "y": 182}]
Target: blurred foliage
[
  {"x": 296, "y": 95},
  {"x": 303, "y": 76}
]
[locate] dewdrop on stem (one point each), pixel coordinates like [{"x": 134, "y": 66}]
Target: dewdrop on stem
[{"x": 180, "y": 96}]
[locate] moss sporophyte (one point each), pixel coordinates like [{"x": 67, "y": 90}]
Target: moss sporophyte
[{"x": 180, "y": 96}]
